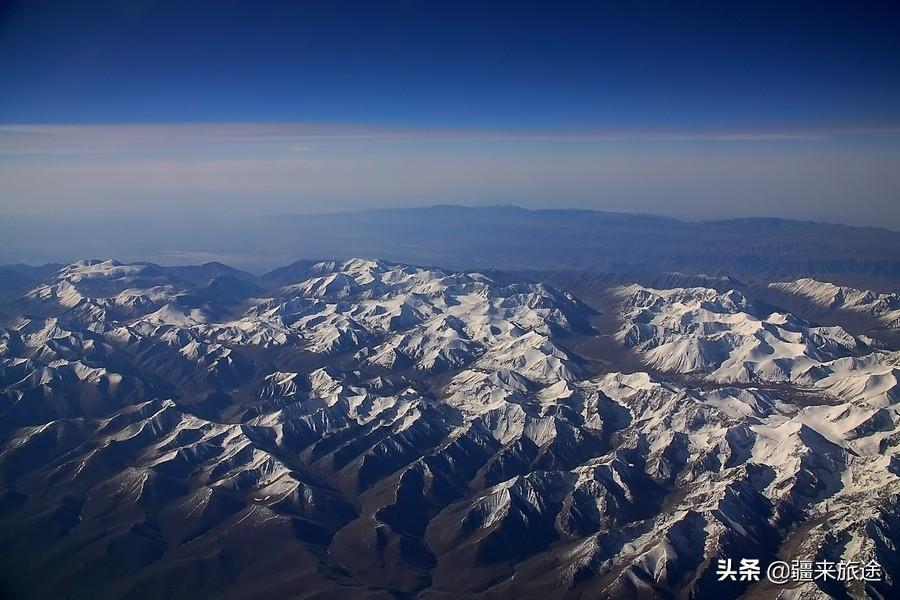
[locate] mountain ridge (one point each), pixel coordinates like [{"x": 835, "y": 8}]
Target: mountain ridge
[
  {"x": 387, "y": 428},
  {"x": 512, "y": 239}
]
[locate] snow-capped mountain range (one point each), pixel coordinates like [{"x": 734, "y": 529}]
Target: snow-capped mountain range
[{"x": 362, "y": 429}]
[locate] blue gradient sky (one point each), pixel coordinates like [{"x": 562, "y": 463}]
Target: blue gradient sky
[{"x": 700, "y": 110}]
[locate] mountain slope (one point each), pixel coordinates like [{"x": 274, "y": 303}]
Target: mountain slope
[{"x": 365, "y": 429}]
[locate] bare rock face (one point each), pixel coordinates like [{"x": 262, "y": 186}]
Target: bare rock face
[{"x": 362, "y": 429}]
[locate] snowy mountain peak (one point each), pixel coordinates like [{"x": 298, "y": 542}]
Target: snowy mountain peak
[{"x": 381, "y": 428}]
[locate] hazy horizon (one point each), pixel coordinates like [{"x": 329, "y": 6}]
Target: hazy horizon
[
  {"x": 458, "y": 237},
  {"x": 181, "y": 109},
  {"x": 841, "y": 175}
]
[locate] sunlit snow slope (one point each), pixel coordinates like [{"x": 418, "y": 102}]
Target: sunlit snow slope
[{"x": 362, "y": 429}]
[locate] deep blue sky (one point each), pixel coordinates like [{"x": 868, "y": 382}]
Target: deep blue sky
[
  {"x": 699, "y": 110},
  {"x": 510, "y": 64}
]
